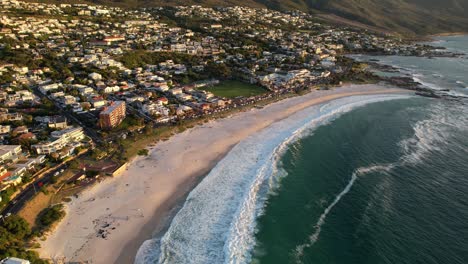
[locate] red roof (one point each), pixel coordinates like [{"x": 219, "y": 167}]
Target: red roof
[
  {"x": 5, "y": 175},
  {"x": 28, "y": 135}
]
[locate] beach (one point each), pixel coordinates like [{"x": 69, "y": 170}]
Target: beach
[{"x": 109, "y": 222}]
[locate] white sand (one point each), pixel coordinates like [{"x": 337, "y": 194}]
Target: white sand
[{"x": 132, "y": 207}]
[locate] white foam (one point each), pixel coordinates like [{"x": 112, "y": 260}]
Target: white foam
[
  {"x": 457, "y": 94},
  {"x": 430, "y": 135},
  {"x": 318, "y": 226},
  {"x": 417, "y": 78},
  {"x": 217, "y": 222}
]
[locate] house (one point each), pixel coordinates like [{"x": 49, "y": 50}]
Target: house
[
  {"x": 11, "y": 117},
  {"x": 44, "y": 89},
  {"x": 162, "y": 101},
  {"x": 57, "y": 122},
  {"x": 95, "y": 76},
  {"x": 205, "y": 107},
  {"x": 60, "y": 139},
  {"x": 111, "y": 89},
  {"x": 182, "y": 109},
  {"x": 5, "y": 129},
  {"x": 20, "y": 130},
  {"x": 9, "y": 152},
  {"x": 15, "y": 261},
  {"x": 184, "y": 97},
  {"x": 27, "y": 137},
  {"x": 4, "y": 173},
  {"x": 162, "y": 87},
  {"x": 86, "y": 90},
  {"x": 176, "y": 91},
  {"x": 68, "y": 100},
  {"x": 98, "y": 102}
]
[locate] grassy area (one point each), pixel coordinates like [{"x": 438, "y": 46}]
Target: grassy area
[
  {"x": 33, "y": 207},
  {"x": 232, "y": 89}
]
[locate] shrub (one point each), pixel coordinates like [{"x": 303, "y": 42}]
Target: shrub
[
  {"x": 50, "y": 215},
  {"x": 143, "y": 152}
]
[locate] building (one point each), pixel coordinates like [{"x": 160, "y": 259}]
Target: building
[
  {"x": 112, "y": 115},
  {"x": 60, "y": 139},
  {"x": 5, "y": 129},
  {"x": 4, "y": 173},
  {"x": 9, "y": 152},
  {"x": 14, "y": 261},
  {"x": 57, "y": 122}
]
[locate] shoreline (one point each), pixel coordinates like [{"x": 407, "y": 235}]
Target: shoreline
[
  {"x": 130, "y": 211},
  {"x": 449, "y": 34}
]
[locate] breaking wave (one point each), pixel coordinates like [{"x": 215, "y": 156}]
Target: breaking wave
[{"x": 217, "y": 223}]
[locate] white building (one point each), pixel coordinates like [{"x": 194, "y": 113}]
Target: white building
[
  {"x": 9, "y": 152},
  {"x": 60, "y": 139},
  {"x": 15, "y": 261}
]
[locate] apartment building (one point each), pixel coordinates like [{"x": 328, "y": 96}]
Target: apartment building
[{"x": 112, "y": 115}]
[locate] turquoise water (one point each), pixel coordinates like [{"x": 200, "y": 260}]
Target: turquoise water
[
  {"x": 393, "y": 177},
  {"x": 386, "y": 183},
  {"x": 363, "y": 179}
]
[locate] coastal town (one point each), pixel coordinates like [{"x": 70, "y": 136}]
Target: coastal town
[{"x": 83, "y": 86}]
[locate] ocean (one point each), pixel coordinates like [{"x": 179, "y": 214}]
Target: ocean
[
  {"x": 434, "y": 73},
  {"x": 362, "y": 179}
]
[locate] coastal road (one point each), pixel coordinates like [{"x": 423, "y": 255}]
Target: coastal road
[{"x": 15, "y": 205}]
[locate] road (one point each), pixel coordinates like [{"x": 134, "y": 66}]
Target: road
[
  {"x": 71, "y": 117},
  {"x": 15, "y": 205}
]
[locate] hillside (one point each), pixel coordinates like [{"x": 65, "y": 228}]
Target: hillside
[
  {"x": 404, "y": 16},
  {"x": 407, "y": 16}
]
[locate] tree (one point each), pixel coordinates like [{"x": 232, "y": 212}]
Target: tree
[
  {"x": 55, "y": 156},
  {"x": 50, "y": 215},
  {"x": 13, "y": 242},
  {"x": 17, "y": 226},
  {"x": 218, "y": 70}
]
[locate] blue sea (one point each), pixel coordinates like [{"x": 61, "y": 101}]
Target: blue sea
[{"x": 362, "y": 179}]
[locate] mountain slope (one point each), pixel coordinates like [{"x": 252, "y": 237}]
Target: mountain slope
[
  {"x": 418, "y": 16},
  {"x": 403, "y": 16}
]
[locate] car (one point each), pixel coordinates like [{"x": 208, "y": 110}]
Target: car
[{"x": 56, "y": 173}]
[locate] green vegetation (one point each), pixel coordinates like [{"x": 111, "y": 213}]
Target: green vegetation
[
  {"x": 232, "y": 89},
  {"x": 14, "y": 236},
  {"x": 141, "y": 58},
  {"x": 5, "y": 196},
  {"x": 49, "y": 216},
  {"x": 143, "y": 152}
]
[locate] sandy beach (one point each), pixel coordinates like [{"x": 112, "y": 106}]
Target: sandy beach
[{"x": 108, "y": 222}]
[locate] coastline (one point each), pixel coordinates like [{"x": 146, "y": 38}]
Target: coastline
[
  {"x": 449, "y": 34},
  {"x": 433, "y": 37},
  {"x": 129, "y": 211}
]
